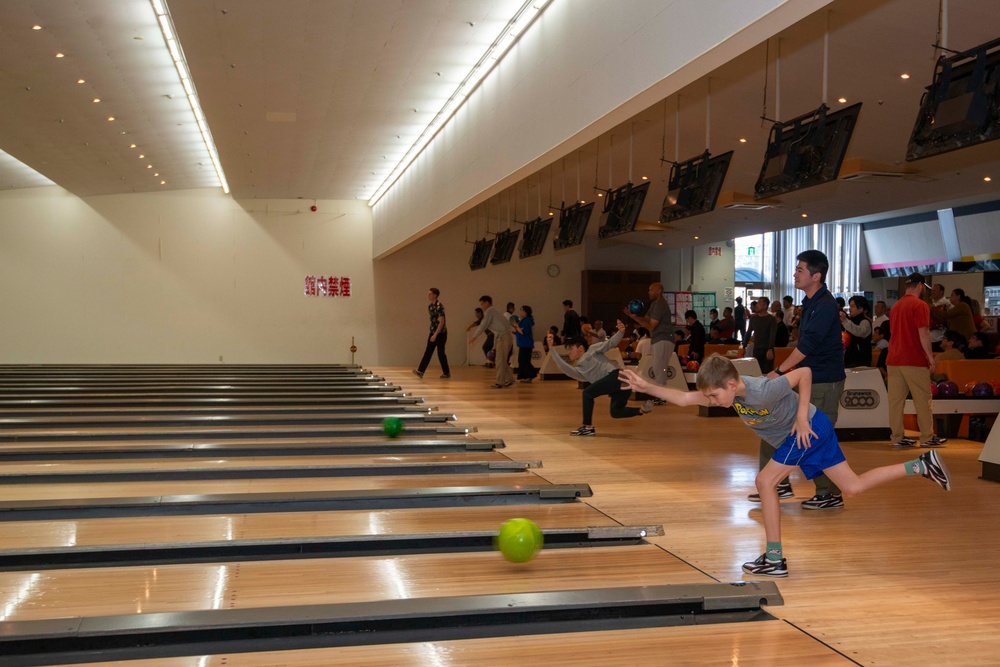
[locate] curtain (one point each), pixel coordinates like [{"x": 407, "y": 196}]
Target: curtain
[{"x": 788, "y": 244}]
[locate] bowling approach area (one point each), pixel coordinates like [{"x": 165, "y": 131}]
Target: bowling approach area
[{"x": 184, "y": 516}]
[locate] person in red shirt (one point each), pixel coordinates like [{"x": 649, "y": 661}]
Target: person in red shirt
[{"x": 910, "y": 363}]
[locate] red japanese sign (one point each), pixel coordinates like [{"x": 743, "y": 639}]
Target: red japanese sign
[{"x": 327, "y": 286}]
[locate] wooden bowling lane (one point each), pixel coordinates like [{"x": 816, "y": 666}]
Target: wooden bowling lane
[
  {"x": 29, "y": 536},
  {"x": 140, "y": 422},
  {"x": 91, "y": 592},
  {"x": 739, "y": 645},
  {"x": 369, "y": 464},
  {"x": 132, "y": 449},
  {"x": 83, "y": 491},
  {"x": 383, "y": 407},
  {"x": 432, "y": 427}
]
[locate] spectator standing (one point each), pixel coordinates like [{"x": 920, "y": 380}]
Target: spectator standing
[
  {"x": 526, "y": 372},
  {"x": 781, "y": 335},
  {"x": 763, "y": 327},
  {"x": 788, "y": 311},
  {"x": 497, "y": 322},
  {"x": 820, "y": 347},
  {"x": 740, "y": 321},
  {"x": 696, "y": 336},
  {"x": 858, "y": 351},
  {"x": 959, "y": 316},
  {"x": 657, "y": 321},
  {"x": 910, "y": 363},
  {"x": 880, "y": 314},
  {"x": 571, "y": 321},
  {"x": 727, "y": 326}
]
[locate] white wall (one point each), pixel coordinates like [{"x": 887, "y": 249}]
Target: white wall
[
  {"x": 180, "y": 277},
  {"x": 584, "y": 67},
  {"x": 441, "y": 260}
]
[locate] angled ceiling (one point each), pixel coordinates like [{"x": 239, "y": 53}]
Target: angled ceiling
[{"x": 319, "y": 99}]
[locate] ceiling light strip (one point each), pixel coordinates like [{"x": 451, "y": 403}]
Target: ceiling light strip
[
  {"x": 518, "y": 24},
  {"x": 177, "y": 55}
]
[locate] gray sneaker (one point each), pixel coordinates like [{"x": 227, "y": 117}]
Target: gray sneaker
[{"x": 646, "y": 407}]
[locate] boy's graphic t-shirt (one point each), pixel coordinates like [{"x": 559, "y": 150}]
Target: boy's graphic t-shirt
[{"x": 769, "y": 408}]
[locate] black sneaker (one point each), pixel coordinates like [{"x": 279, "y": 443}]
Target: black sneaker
[
  {"x": 446, "y": 376},
  {"x": 499, "y": 386},
  {"x": 419, "y": 374},
  {"x": 784, "y": 491},
  {"x": 935, "y": 469},
  {"x": 659, "y": 401},
  {"x": 905, "y": 442},
  {"x": 935, "y": 441},
  {"x": 767, "y": 568},
  {"x": 829, "y": 501},
  {"x": 584, "y": 430}
]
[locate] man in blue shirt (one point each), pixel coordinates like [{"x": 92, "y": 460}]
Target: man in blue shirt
[{"x": 821, "y": 349}]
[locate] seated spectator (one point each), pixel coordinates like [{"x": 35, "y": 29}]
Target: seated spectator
[
  {"x": 552, "y": 338},
  {"x": 978, "y": 347},
  {"x": 599, "y": 334},
  {"x": 879, "y": 339},
  {"x": 714, "y": 335},
  {"x": 713, "y": 318},
  {"x": 952, "y": 343},
  {"x": 678, "y": 337}
]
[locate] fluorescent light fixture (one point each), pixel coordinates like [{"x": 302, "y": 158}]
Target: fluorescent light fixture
[
  {"x": 514, "y": 28},
  {"x": 177, "y": 54}
]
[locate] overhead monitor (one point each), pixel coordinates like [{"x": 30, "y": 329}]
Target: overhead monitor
[
  {"x": 533, "y": 239},
  {"x": 694, "y": 186},
  {"x": 621, "y": 209},
  {"x": 806, "y": 151},
  {"x": 481, "y": 254},
  {"x": 961, "y": 107},
  {"x": 503, "y": 246},
  {"x": 573, "y": 222}
]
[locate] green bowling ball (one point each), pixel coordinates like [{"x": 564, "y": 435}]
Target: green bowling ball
[
  {"x": 519, "y": 540},
  {"x": 392, "y": 426}
]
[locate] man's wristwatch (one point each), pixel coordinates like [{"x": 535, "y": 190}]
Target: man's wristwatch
[{"x": 779, "y": 371}]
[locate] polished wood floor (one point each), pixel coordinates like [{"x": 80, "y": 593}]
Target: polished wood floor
[{"x": 904, "y": 575}]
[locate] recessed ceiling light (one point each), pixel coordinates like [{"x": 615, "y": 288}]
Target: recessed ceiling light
[
  {"x": 551, "y": 213},
  {"x": 804, "y": 215},
  {"x": 645, "y": 178},
  {"x": 110, "y": 118},
  {"x": 141, "y": 156},
  {"x": 96, "y": 100},
  {"x": 60, "y": 55},
  {"x": 600, "y": 194},
  {"x": 904, "y": 75},
  {"x": 696, "y": 238},
  {"x": 163, "y": 182},
  {"x": 743, "y": 140},
  {"x": 131, "y": 145},
  {"x": 582, "y": 201},
  {"x": 842, "y": 100},
  {"x": 987, "y": 179},
  {"x": 81, "y": 81},
  {"x": 149, "y": 166},
  {"x": 660, "y": 243},
  {"x": 156, "y": 173},
  {"x": 36, "y": 27}
]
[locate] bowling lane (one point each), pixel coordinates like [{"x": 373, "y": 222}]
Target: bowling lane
[
  {"x": 742, "y": 645},
  {"x": 163, "y": 465},
  {"x": 273, "y": 443},
  {"x": 239, "y": 585},
  {"x": 83, "y": 491},
  {"x": 193, "y": 530}
]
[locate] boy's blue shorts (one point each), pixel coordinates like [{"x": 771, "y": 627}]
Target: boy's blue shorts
[{"x": 824, "y": 451}]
